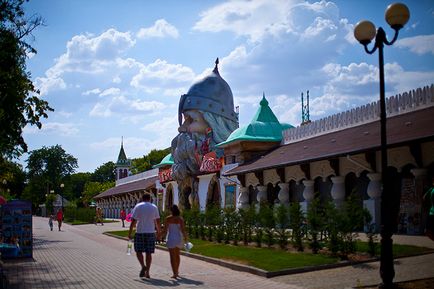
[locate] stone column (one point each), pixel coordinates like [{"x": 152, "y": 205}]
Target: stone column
[
  {"x": 308, "y": 194},
  {"x": 243, "y": 198},
  {"x": 374, "y": 203},
  {"x": 284, "y": 193},
  {"x": 262, "y": 194},
  {"x": 338, "y": 190}
]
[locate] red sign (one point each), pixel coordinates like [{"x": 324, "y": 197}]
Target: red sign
[
  {"x": 165, "y": 175},
  {"x": 210, "y": 163}
]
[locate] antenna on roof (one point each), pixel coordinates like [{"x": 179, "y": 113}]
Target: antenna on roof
[{"x": 305, "y": 116}]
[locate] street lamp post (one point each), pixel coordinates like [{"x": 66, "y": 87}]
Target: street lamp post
[
  {"x": 61, "y": 193},
  {"x": 396, "y": 16}
]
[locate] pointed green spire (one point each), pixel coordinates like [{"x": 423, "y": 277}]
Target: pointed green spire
[
  {"x": 122, "y": 158},
  {"x": 264, "y": 127}
]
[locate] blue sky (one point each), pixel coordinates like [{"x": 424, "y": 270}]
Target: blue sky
[{"x": 118, "y": 68}]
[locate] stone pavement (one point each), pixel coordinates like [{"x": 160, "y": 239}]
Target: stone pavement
[{"x": 82, "y": 257}]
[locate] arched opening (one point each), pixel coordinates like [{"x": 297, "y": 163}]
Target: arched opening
[
  {"x": 184, "y": 204},
  {"x": 169, "y": 197},
  {"x": 213, "y": 197},
  {"x": 252, "y": 195},
  {"x": 272, "y": 193},
  {"x": 410, "y": 207}
]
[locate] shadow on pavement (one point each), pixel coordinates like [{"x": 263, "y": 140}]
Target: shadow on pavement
[{"x": 171, "y": 282}]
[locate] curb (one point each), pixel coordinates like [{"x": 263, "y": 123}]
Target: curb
[{"x": 269, "y": 274}]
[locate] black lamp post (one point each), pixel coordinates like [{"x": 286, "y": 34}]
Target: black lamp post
[{"x": 396, "y": 16}]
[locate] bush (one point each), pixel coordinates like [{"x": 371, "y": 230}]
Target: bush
[
  {"x": 315, "y": 223},
  {"x": 212, "y": 219},
  {"x": 296, "y": 221},
  {"x": 282, "y": 224},
  {"x": 266, "y": 220},
  {"x": 86, "y": 215},
  {"x": 247, "y": 219}
]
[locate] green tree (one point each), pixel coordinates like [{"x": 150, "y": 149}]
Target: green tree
[
  {"x": 315, "y": 223},
  {"x": 148, "y": 161},
  {"x": 20, "y": 104},
  {"x": 104, "y": 173},
  {"x": 74, "y": 184},
  {"x": 47, "y": 168},
  {"x": 12, "y": 178},
  {"x": 282, "y": 224},
  {"x": 297, "y": 221},
  {"x": 91, "y": 189}
]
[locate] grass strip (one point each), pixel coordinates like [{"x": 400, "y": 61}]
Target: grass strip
[{"x": 270, "y": 259}]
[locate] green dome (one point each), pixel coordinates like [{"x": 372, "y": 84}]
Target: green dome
[
  {"x": 264, "y": 127},
  {"x": 166, "y": 161}
]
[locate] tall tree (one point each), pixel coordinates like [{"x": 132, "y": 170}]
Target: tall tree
[
  {"x": 47, "y": 167},
  {"x": 76, "y": 183},
  {"x": 91, "y": 189},
  {"x": 104, "y": 173},
  {"x": 12, "y": 179},
  {"x": 20, "y": 104},
  {"x": 148, "y": 161}
]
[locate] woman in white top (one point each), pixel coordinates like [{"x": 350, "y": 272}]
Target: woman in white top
[{"x": 176, "y": 238}]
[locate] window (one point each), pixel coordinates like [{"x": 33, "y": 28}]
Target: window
[{"x": 230, "y": 190}]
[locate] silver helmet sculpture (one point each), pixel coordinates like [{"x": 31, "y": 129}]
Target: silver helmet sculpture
[{"x": 211, "y": 94}]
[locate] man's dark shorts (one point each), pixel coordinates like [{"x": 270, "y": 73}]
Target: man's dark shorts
[{"x": 144, "y": 242}]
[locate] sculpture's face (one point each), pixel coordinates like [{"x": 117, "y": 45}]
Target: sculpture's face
[{"x": 193, "y": 123}]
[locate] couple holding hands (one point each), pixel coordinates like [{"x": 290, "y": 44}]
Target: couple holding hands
[{"x": 146, "y": 218}]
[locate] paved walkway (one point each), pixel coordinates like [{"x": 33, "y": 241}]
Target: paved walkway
[{"x": 82, "y": 257}]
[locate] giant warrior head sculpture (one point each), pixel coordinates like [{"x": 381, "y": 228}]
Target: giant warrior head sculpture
[{"x": 206, "y": 117}]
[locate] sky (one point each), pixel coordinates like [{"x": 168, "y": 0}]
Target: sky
[{"x": 113, "y": 69}]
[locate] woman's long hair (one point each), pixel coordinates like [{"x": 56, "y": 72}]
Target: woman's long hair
[{"x": 175, "y": 210}]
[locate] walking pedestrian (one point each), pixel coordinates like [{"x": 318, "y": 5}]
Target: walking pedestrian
[
  {"x": 99, "y": 217},
  {"x": 50, "y": 222},
  {"x": 59, "y": 217},
  {"x": 123, "y": 216},
  {"x": 176, "y": 238},
  {"x": 430, "y": 221},
  {"x": 146, "y": 216}
]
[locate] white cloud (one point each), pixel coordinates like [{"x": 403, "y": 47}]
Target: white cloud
[
  {"x": 117, "y": 79},
  {"x": 87, "y": 54},
  {"x": 47, "y": 84},
  {"x": 54, "y": 128},
  {"x": 258, "y": 20},
  {"x": 92, "y": 91},
  {"x": 253, "y": 19},
  {"x": 122, "y": 105},
  {"x": 420, "y": 45},
  {"x": 320, "y": 26},
  {"x": 162, "y": 77},
  {"x": 110, "y": 91},
  {"x": 106, "y": 46},
  {"x": 160, "y": 29}
]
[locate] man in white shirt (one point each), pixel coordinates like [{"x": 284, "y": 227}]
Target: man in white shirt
[{"x": 147, "y": 218}]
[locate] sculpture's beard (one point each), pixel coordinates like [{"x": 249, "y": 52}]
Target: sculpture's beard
[{"x": 184, "y": 151}]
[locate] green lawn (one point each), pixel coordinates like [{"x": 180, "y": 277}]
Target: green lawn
[
  {"x": 275, "y": 259},
  {"x": 262, "y": 258},
  {"x": 398, "y": 250},
  {"x": 78, "y": 222}
]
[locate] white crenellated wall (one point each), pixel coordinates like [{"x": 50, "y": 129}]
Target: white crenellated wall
[{"x": 401, "y": 103}]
